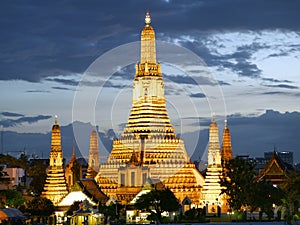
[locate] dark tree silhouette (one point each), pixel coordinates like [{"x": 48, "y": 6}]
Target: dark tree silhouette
[
  {"x": 39, "y": 207},
  {"x": 158, "y": 201},
  {"x": 38, "y": 173},
  {"x": 237, "y": 181},
  {"x": 243, "y": 189}
]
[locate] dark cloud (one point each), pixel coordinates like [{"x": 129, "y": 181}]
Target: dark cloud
[
  {"x": 180, "y": 79},
  {"x": 281, "y": 93},
  {"x": 238, "y": 61},
  {"x": 23, "y": 119},
  {"x": 276, "y": 80},
  {"x": 110, "y": 84},
  {"x": 198, "y": 95},
  {"x": 274, "y": 93},
  {"x": 63, "y": 88},
  {"x": 220, "y": 82},
  {"x": 11, "y": 114},
  {"x": 37, "y": 91},
  {"x": 63, "y": 81},
  {"x": 52, "y": 38},
  {"x": 282, "y": 86},
  {"x": 278, "y": 54},
  {"x": 241, "y": 56}
]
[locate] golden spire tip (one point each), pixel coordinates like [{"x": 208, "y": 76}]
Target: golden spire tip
[
  {"x": 56, "y": 119},
  {"x": 147, "y": 18},
  {"x": 213, "y": 117}
]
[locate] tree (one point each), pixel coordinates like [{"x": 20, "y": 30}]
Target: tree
[
  {"x": 243, "y": 189},
  {"x": 39, "y": 207},
  {"x": 108, "y": 210},
  {"x": 38, "y": 173},
  {"x": 291, "y": 190},
  {"x": 158, "y": 201},
  {"x": 73, "y": 207},
  {"x": 237, "y": 181},
  {"x": 14, "y": 198},
  {"x": 265, "y": 196}
]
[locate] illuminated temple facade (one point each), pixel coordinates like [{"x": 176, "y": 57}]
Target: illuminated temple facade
[
  {"x": 55, "y": 187},
  {"x": 148, "y": 150}
]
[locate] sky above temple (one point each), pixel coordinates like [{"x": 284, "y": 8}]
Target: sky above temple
[{"x": 249, "y": 52}]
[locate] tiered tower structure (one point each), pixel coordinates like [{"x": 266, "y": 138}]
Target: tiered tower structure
[
  {"x": 149, "y": 139},
  {"x": 73, "y": 171},
  {"x": 55, "y": 187},
  {"x": 211, "y": 191},
  {"x": 226, "y": 153},
  {"x": 94, "y": 158}
]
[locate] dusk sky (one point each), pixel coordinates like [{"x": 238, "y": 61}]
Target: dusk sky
[{"x": 249, "y": 49}]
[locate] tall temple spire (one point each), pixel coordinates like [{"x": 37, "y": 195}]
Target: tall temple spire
[
  {"x": 212, "y": 188},
  {"x": 55, "y": 187},
  {"x": 55, "y": 136},
  {"x": 148, "y": 50},
  {"x": 73, "y": 158},
  {"x": 148, "y": 147},
  {"x": 226, "y": 153},
  {"x": 148, "y": 117},
  {"x": 94, "y": 158},
  {"x": 214, "y": 157}
]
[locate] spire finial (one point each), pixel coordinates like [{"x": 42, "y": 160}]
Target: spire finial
[
  {"x": 56, "y": 119},
  {"x": 73, "y": 152},
  {"x": 147, "y": 18},
  {"x": 226, "y": 126},
  {"x": 213, "y": 117}
]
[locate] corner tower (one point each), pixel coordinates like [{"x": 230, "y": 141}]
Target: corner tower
[
  {"x": 226, "y": 153},
  {"x": 93, "y": 160},
  {"x": 55, "y": 187},
  {"x": 212, "y": 189}
]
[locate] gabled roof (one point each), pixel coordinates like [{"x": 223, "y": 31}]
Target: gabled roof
[
  {"x": 274, "y": 171},
  {"x": 91, "y": 189},
  {"x": 11, "y": 213},
  {"x": 142, "y": 192},
  {"x": 75, "y": 196}
]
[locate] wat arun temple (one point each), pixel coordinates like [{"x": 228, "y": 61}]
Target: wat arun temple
[{"x": 149, "y": 153}]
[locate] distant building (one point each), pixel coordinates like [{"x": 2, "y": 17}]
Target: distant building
[
  {"x": 259, "y": 162},
  {"x": 15, "y": 177},
  {"x": 287, "y": 157}
]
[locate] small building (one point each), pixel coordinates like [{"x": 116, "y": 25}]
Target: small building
[
  {"x": 67, "y": 201},
  {"x": 11, "y": 214},
  {"x": 87, "y": 215},
  {"x": 275, "y": 171},
  {"x": 15, "y": 177}
]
